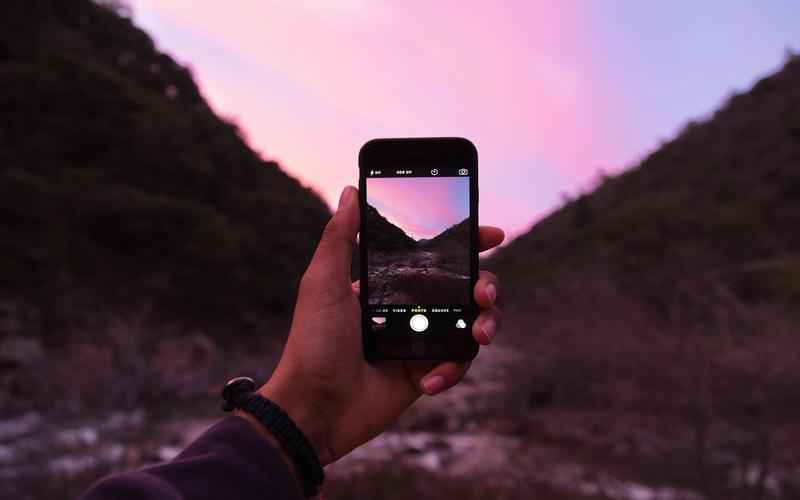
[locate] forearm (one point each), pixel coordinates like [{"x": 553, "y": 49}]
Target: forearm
[
  {"x": 230, "y": 460},
  {"x": 267, "y": 435}
]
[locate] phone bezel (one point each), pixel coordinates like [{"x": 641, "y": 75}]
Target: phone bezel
[{"x": 448, "y": 150}]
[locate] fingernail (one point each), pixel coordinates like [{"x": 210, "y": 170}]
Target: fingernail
[
  {"x": 491, "y": 291},
  {"x": 344, "y": 198},
  {"x": 433, "y": 385},
  {"x": 488, "y": 329}
]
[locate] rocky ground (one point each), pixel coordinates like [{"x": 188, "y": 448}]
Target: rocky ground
[
  {"x": 42, "y": 457},
  {"x": 418, "y": 276},
  {"x": 476, "y": 440}
]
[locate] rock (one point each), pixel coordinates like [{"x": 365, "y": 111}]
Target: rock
[
  {"x": 19, "y": 426},
  {"x": 430, "y": 460},
  {"x": 72, "y": 465},
  {"x": 113, "y": 453},
  {"x": 166, "y": 453},
  {"x": 7, "y": 454},
  {"x": 120, "y": 420},
  {"x": 74, "y": 438}
]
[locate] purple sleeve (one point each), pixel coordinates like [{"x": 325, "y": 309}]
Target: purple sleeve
[{"x": 230, "y": 460}]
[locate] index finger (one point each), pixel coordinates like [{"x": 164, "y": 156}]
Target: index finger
[{"x": 489, "y": 237}]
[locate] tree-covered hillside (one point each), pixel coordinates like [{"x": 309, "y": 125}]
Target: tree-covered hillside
[
  {"x": 720, "y": 203},
  {"x": 674, "y": 286},
  {"x": 118, "y": 183},
  {"x": 667, "y": 299}
]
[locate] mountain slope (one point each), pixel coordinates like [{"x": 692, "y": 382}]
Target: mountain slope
[
  {"x": 456, "y": 235},
  {"x": 673, "y": 288},
  {"x": 384, "y": 235},
  {"x": 119, "y": 184},
  {"x": 721, "y": 202}
]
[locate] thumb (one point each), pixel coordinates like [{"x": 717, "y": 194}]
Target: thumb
[{"x": 334, "y": 255}]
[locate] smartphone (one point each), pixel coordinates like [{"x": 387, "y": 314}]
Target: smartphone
[{"x": 418, "y": 248}]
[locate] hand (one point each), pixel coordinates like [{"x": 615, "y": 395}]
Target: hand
[{"x": 322, "y": 380}]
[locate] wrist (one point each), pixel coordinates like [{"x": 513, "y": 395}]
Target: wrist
[
  {"x": 269, "y": 437},
  {"x": 305, "y": 416},
  {"x": 240, "y": 394}
]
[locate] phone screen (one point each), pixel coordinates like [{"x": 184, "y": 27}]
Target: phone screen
[{"x": 418, "y": 240}]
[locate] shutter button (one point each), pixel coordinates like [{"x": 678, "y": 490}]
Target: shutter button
[{"x": 419, "y": 323}]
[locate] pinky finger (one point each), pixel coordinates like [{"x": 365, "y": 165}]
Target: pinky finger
[
  {"x": 485, "y": 327},
  {"x": 442, "y": 377}
]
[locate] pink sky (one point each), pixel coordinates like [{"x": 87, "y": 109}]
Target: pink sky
[
  {"x": 423, "y": 207},
  {"x": 548, "y": 91}
]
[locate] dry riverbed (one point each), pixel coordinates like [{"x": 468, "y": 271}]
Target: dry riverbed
[{"x": 476, "y": 439}]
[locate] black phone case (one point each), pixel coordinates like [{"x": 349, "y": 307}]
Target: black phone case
[{"x": 450, "y": 150}]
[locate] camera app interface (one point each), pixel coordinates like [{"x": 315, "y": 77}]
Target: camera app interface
[{"x": 418, "y": 237}]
